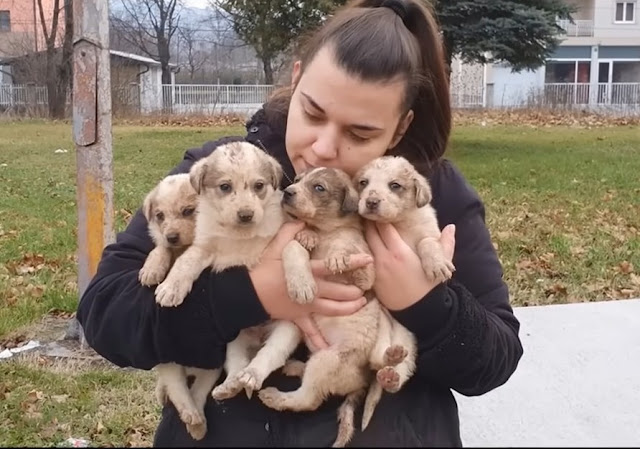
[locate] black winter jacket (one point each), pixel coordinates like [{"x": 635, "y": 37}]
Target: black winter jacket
[{"x": 467, "y": 333}]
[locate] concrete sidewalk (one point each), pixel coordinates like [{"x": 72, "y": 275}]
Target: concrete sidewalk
[{"x": 578, "y": 383}]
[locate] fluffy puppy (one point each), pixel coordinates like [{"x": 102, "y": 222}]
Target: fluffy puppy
[
  {"x": 326, "y": 201},
  {"x": 238, "y": 213},
  {"x": 392, "y": 191},
  {"x": 170, "y": 211}
]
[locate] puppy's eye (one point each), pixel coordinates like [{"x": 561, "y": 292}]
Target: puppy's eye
[
  {"x": 259, "y": 186},
  {"x": 160, "y": 216},
  {"x": 187, "y": 212},
  {"x": 319, "y": 188},
  {"x": 394, "y": 186},
  {"x": 225, "y": 187},
  {"x": 364, "y": 183}
]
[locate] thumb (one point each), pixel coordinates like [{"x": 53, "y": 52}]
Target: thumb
[
  {"x": 448, "y": 240},
  {"x": 286, "y": 233}
]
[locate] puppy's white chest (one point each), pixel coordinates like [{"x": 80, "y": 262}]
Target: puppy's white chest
[{"x": 232, "y": 252}]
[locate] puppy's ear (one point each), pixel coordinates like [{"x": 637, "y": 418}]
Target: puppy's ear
[
  {"x": 197, "y": 174},
  {"x": 147, "y": 205},
  {"x": 350, "y": 200},
  {"x": 274, "y": 172},
  {"x": 423, "y": 190}
]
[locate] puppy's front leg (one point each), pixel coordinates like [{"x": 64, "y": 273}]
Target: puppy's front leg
[
  {"x": 434, "y": 262},
  {"x": 186, "y": 269},
  {"x": 301, "y": 285},
  {"x": 155, "y": 267}
]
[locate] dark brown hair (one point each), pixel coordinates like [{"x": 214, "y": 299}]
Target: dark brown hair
[{"x": 379, "y": 43}]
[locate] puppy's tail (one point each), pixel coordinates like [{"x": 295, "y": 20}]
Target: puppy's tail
[{"x": 370, "y": 402}]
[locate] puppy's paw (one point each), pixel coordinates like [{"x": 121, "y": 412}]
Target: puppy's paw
[
  {"x": 273, "y": 398},
  {"x": 337, "y": 262},
  {"x": 172, "y": 293},
  {"x": 389, "y": 379},
  {"x": 364, "y": 277},
  {"x": 191, "y": 417},
  {"x": 394, "y": 355},
  {"x": 150, "y": 275},
  {"x": 251, "y": 380},
  {"x": 227, "y": 389},
  {"x": 197, "y": 431},
  {"x": 293, "y": 368},
  {"x": 437, "y": 267},
  {"x": 301, "y": 286},
  {"x": 307, "y": 238}
]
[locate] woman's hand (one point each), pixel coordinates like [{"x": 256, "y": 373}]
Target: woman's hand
[
  {"x": 333, "y": 298},
  {"x": 400, "y": 279}
]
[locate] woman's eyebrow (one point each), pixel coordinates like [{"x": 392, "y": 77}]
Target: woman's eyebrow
[{"x": 356, "y": 126}]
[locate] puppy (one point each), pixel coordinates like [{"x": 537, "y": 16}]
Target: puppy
[
  {"x": 392, "y": 191},
  {"x": 326, "y": 201},
  {"x": 238, "y": 213},
  {"x": 170, "y": 211}
]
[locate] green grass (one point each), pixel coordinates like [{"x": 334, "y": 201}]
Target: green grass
[
  {"x": 562, "y": 205},
  {"x": 43, "y": 406}
]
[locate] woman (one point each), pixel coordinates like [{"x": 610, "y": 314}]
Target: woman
[{"x": 371, "y": 81}]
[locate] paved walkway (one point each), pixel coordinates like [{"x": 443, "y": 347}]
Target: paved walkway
[{"x": 578, "y": 383}]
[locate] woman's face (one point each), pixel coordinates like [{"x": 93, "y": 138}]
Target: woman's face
[{"x": 337, "y": 120}]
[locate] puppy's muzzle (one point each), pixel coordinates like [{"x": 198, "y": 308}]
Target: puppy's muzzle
[
  {"x": 372, "y": 204},
  {"x": 288, "y": 195},
  {"x": 245, "y": 216},
  {"x": 173, "y": 238}
]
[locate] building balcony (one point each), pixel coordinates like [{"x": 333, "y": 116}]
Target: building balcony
[{"x": 579, "y": 28}]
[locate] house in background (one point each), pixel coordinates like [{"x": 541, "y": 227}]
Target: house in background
[
  {"x": 598, "y": 62},
  {"x": 21, "y": 28}
]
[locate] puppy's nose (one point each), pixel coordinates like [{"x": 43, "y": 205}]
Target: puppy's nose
[
  {"x": 288, "y": 194},
  {"x": 245, "y": 216},
  {"x": 173, "y": 238},
  {"x": 372, "y": 203}
]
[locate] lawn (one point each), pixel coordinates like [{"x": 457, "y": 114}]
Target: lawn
[{"x": 562, "y": 205}]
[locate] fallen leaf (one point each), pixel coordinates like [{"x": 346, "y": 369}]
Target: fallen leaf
[
  {"x": 60, "y": 398},
  {"x": 625, "y": 267}
]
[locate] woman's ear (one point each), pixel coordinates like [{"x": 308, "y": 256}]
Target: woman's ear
[
  {"x": 402, "y": 128},
  {"x": 295, "y": 74}
]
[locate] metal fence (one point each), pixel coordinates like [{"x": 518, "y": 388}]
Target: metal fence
[{"x": 178, "y": 99}]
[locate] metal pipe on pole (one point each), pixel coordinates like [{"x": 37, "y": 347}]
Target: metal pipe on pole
[{"x": 93, "y": 140}]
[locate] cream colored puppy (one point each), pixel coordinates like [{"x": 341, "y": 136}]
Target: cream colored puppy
[
  {"x": 326, "y": 201},
  {"x": 238, "y": 213},
  {"x": 392, "y": 191},
  {"x": 170, "y": 211}
]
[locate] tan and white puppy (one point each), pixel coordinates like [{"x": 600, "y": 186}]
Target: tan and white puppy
[
  {"x": 238, "y": 213},
  {"x": 326, "y": 201},
  {"x": 170, "y": 210},
  {"x": 392, "y": 191}
]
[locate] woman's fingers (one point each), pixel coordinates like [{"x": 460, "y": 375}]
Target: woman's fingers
[{"x": 337, "y": 291}]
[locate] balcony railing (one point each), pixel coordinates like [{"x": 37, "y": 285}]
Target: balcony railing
[{"x": 579, "y": 28}]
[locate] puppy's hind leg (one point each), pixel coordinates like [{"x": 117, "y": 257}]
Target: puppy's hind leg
[
  {"x": 204, "y": 381},
  {"x": 237, "y": 359},
  {"x": 174, "y": 379},
  {"x": 275, "y": 352}
]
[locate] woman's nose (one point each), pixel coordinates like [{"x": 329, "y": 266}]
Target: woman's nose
[{"x": 326, "y": 145}]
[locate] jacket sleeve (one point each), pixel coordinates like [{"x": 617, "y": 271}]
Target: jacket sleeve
[
  {"x": 468, "y": 336},
  {"x": 123, "y": 323}
]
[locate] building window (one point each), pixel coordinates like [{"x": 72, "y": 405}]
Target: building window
[
  {"x": 567, "y": 72},
  {"x": 5, "y": 20},
  {"x": 625, "y": 12}
]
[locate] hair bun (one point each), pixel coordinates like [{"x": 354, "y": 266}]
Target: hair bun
[{"x": 397, "y": 6}]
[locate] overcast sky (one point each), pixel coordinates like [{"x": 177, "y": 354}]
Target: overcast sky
[{"x": 196, "y": 3}]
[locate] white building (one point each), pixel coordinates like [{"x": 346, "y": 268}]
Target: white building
[{"x": 597, "y": 64}]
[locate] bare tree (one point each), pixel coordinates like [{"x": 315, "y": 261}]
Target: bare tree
[
  {"x": 191, "y": 45},
  {"x": 150, "y": 25},
  {"x": 58, "y": 71}
]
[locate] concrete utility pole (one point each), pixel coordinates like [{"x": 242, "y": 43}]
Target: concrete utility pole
[{"x": 92, "y": 136}]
